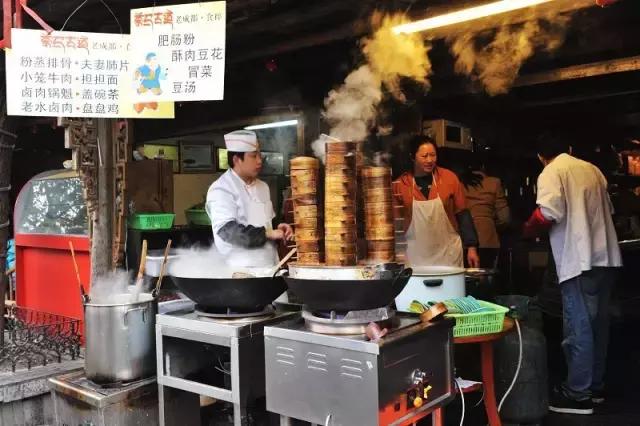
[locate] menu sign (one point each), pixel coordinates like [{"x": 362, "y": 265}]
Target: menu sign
[
  {"x": 74, "y": 74},
  {"x": 179, "y": 52}
]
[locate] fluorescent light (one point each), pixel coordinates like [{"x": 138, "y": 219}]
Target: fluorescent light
[
  {"x": 272, "y": 125},
  {"x": 464, "y": 15}
]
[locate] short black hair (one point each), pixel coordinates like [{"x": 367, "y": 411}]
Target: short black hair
[
  {"x": 416, "y": 141},
  {"x": 549, "y": 145},
  {"x": 231, "y": 154}
]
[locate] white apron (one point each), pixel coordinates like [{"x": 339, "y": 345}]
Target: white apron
[
  {"x": 431, "y": 239},
  {"x": 259, "y": 213}
]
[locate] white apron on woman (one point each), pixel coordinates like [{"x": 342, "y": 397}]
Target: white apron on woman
[{"x": 431, "y": 239}]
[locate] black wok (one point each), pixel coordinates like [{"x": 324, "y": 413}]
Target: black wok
[
  {"x": 348, "y": 295},
  {"x": 237, "y": 294}
]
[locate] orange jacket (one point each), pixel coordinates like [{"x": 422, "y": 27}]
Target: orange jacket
[{"x": 447, "y": 186}]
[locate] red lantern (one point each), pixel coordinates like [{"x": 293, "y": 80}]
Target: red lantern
[{"x": 605, "y": 3}]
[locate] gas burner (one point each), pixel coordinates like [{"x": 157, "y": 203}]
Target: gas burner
[
  {"x": 347, "y": 323},
  {"x": 230, "y": 314}
]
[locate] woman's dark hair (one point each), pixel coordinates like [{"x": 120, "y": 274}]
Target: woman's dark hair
[
  {"x": 468, "y": 175},
  {"x": 231, "y": 154},
  {"x": 416, "y": 141}
]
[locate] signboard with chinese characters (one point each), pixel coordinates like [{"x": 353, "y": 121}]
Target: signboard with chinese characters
[
  {"x": 179, "y": 52},
  {"x": 73, "y": 74}
]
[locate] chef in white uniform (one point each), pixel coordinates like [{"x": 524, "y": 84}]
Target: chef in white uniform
[
  {"x": 240, "y": 208},
  {"x": 573, "y": 204}
]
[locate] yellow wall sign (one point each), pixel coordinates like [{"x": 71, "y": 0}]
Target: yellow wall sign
[{"x": 74, "y": 74}]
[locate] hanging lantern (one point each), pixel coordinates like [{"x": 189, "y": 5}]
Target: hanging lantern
[{"x": 605, "y": 3}]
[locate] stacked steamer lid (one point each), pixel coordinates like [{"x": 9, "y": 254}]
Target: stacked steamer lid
[
  {"x": 307, "y": 211},
  {"x": 378, "y": 214},
  {"x": 340, "y": 225}
]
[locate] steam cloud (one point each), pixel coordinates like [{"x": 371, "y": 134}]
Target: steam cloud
[
  {"x": 495, "y": 64},
  {"x": 351, "y": 109}
]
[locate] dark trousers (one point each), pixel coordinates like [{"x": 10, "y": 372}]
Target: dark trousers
[{"x": 585, "y": 305}]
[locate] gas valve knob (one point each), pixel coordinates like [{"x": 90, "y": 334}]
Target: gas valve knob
[{"x": 417, "y": 402}]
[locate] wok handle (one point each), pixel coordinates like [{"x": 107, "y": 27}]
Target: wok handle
[
  {"x": 432, "y": 283},
  {"x": 404, "y": 275}
]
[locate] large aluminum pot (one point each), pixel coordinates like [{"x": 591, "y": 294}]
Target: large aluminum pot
[
  {"x": 120, "y": 339},
  {"x": 432, "y": 284}
]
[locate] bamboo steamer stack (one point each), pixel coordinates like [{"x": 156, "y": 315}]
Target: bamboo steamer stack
[
  {"x": 305, "y": 177},
  {"x": 378, "y": 214},
  {"x": 340, "y": 204}
]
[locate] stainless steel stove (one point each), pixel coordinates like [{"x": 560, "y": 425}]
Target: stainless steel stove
[
  {"x": 79, "y": 401},
  {"x": 349, "y": 380},
  {"x": 215, "y": 354}
]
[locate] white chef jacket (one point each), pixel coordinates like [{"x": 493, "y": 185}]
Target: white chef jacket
[
  {"x": 573, "y": 193},
  {"x": 230, "y": 199}
]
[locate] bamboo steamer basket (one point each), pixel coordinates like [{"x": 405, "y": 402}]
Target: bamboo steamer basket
[
  {"x": 340, "y": 260},
  {"x": 304, "y": 173},
  {"x": 382, "y": 256},
  {"x": 304, "y": 188},
  {"x": 371, "y": 172},
  {"x": 309, "y": 258},
  {"x": 341, "y": 158},
  {"x": 340, "y": 228},
  {"x": 304, "y": 163},
  {"x": 377, "y": 196},
  {"x": 381, "y": 245},
  {"x": 339, "y": 210},
  {"x": 304, "y": 200},
  {"x": 372, "y": 221},
  {"x": 377, "y": 182},
  {"x": 343, "y": 146},
  {"x": 301, "y": 212},
  {"x": 338, "y": 249},
  {"x": 342, "y": 197},
  {"x": 333, "y": 193},
  {"x": 341, "y": 237},
  {"x": 307, "y": 223},
  {"x": 309, "y": 234},
  {"x": 380, "y": 233},
  {"x": 341, "y": 224},
  {"x": 308, "y": 246}
]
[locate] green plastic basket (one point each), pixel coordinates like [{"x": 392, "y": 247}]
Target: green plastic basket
[
  {"x": 198, "y": 217},
  {"x": 479, "y": 323},
  {"x": 148, "y": 221}
]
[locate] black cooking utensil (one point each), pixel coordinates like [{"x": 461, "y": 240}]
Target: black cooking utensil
[
  {"x": 348, "y": 295},
  {"x": 237, "y": 294}
]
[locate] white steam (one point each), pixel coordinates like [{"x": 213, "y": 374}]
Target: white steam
[
  {"x": 351, "y": 110},
  {"x": 199, "y": 263},
  {"x": 496, "y": 63},
  {"x": 109, "y": 288}
]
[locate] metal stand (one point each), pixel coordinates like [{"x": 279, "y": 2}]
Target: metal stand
[{"x": 189, "y": 352}]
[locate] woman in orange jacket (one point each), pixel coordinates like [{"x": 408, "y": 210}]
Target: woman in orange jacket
[{"x": 437, "y": 221}]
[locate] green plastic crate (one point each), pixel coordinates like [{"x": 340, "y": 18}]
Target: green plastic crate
[
  {"x": 479, "y": 323},
  {"x": 198, "y": 217},
  {"x": 149, "y": 221}
]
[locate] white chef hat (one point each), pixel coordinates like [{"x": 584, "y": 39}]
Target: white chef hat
[{"x": 241, "y": 141}]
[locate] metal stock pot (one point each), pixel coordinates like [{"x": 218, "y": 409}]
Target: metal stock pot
[{"x": 120, "y": 339}]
